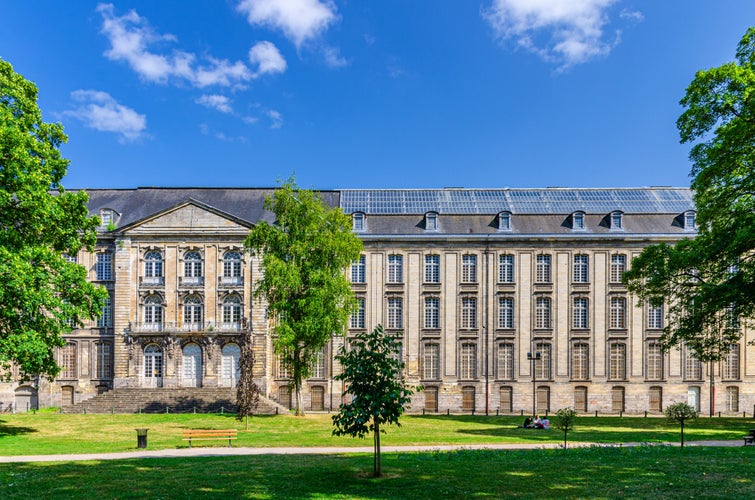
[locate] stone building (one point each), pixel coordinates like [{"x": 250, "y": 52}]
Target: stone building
[{"x": 507, "y": 300}]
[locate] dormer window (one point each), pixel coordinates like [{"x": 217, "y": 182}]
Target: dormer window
[
  {"x": 617, "y": 222},
  {"x": 431, "y": 221},
  {"x": 107, "y": 217},
  {"x": 504, "y": 221},
  {"x": 689, "y": 219},
  {"x": 578, "y": 221},
  {"x": 358, "y": 221}
]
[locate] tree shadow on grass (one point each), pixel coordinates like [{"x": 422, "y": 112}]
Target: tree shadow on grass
[{"x": 11, "y": 430}]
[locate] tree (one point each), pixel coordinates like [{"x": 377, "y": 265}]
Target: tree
[
  {"x": 707, "y": 283},
  {"x": 304, "y": 256},
  {"x": 565, "y": 418},
  {"x": 42, "y": 294},
  {"x": 247, "y": 391},
  {"x": 680, "y": 413},
  {"x": 373, "y": 376}
]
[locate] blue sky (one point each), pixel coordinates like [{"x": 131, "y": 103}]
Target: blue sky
[{"x": 383, "y": 93}]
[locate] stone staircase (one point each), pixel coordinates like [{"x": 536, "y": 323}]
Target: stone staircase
[{"x": 172, "y": 400}]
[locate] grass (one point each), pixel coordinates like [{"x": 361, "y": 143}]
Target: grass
[
  {"x": 49, "y": 433},
  {"x": 638, "y": 472}
]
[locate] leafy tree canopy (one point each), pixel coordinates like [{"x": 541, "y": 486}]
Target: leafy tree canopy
[
  {"x": 41, "y": 293},
  {"x": 304, "y": 257},
  {"x": 373, "y": 377},
  {"x": 708, "y": 284}
]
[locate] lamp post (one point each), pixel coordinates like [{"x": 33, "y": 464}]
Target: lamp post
[{"x": 533, "y": 357}]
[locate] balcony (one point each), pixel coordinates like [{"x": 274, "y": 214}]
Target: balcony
[
  {"x": 235, "y": 326},
  {"x": 190, "y": 282},
  {"x": 151, "y": 281},
  {"x": 230, "y": 281}
]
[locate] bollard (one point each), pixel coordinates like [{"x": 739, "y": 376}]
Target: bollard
[
  {"x": 448, "y": 412},
  {"x": 85, "y": 411},
  {"x": 276, "y": 410},
  {"x": 423, "y": 412},
  {"x": 112, "y": 410},
  {"x": 141, "y": 438},
  {"x": 719, "y": 414},
  {"x": 521, "y": 413},
  {"x": 496, "y": 413},
  {"x": 596, "y": 413},
  {"x": 166, "y": 409},
  {"x": 222, "y": 409},
  {"x": 621, "y": 413},
  {"x": 195, "y": 410},
  {"x": 646, "y": 414}
]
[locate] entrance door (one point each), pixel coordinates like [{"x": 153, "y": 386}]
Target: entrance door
[
  {"x": 26, "y": 399},
  {"x": 67, "y": 399},
  {"x": 230, "y": 365},
  {"x": 693, "y": 397},
  {"x": 153, "y": 366},
  {"x": 192, "y": 366},
  {"x": 431, "y": 399},
  {"x": 318, "y": 398}
]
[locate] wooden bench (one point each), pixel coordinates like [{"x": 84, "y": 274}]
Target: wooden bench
[
  {"x": 750, "y": 438},
  {"x": 206, "y": 434}
]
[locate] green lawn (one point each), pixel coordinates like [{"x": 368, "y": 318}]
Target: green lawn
[
  {"x": 638, "y": 472},
  {"x": 51, "y": 433}
]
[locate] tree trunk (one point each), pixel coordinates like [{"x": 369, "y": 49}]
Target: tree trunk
[
  {"x": 299, "y": 399},
  {"x": 565, "y": 438},
  {"x": 247, "y": 423},
  {"x": 682, "y": 433},
  {"x": 378, "y": 464}
]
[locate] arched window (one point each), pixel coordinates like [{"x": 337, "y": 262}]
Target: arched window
[
  {"x": 232, "y": 268},
  {"x": 153, "y": 313},
  {"x": 193, "y": 309},
  {"x": 192, "y": 268},
  {"x": 232, "y": 308},
  {"x": 153, "y": 268},
  {"x": 153, "y": 365}
]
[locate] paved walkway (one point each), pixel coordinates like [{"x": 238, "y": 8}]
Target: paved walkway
[{"x": 218, "y": 451}]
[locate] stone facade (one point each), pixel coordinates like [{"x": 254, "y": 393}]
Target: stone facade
[{"x": 475, "y": 290}]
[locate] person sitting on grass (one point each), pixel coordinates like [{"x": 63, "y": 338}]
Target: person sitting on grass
[
  {"x": 546, "y": 423},
  {"x": 527, "y": 423},
  {"x": 537, "y": 423}
]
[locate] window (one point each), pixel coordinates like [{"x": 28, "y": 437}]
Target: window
[
  {"x": 543, "y": 269},
  {"x": 654, "y": 362},
  {"x": 430, "y": 362},
  {"x": 70, "y": 258},
  {"x": 506, "y": 269},
  {"x": 106, "y": 319},
  {"x": 232, "y": 313},
  {"x": 395, "y": 313},
  {"x": 504, "y": 221},
  {"x": 578, "y": 221},
  {"x": 358, "y": 220},
  {"x": 153, "y": 312},
  {"x": 468, "y": 362},
  {"x": 580, "y": 399},
  {"x": 617, "y": 222},
  {"x": 395, "y": 269},
  {"x": 469, "y": 269},
  {"x": 617, "y": 399},
  {"x": 104, "y": 266},
  {"x": 581, "y": 313},
  {"x": 618, "y": 312},
  {"x": 232, "y": 268},
  {"x": 731, "y": 363},
  {"x": 693, "y": 368},
  {"x": 617, "y": 362},
  {"x": 580, "y": 361},
  {"x": 467, "y": 398},
  {"x": 581, "y": 269},
  {"x": 68, "y": 361},
  {"x": 543, "y": 365},
  {"x": 431, "y": 221},
  {"x": 655, "y": 394},
  {"x": 506, "y": 312},
  {"x": 281, "y": 367},
  {"x": 543, "y": 312},
  {"x": 358, "y": 270},
  {"x": 358, "y": 316},
  {"x": 689, "y": 220},
  {"x": 193, "y": 268},
  {"x": 469, "y": 312},
  {"x": 618, "y": 266},
  {"x": 318, "y": 366},
  {"x": 432, "y": 312},
  {"x": 104, "y": 360},
  {"x": 655, "y": 317},
  {"x": 153, "y": 267},
  {"x": 732, "y": 399},
  {"x": 153, "y": 362},
  {"x": 432, "y": 268},
  {"x": 506, "y": 396},
  {"x": 193, "y": 312},
  {"x": 732, "y": 318},
  {"x": 506, "y": 361}
]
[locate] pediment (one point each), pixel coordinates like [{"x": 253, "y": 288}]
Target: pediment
[{"x": 189, "y": 217}]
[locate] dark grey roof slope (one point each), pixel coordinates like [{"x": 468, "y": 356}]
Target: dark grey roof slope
[
  {"x": 135, "y": 204},
  {"x": 516, "y": 201}
]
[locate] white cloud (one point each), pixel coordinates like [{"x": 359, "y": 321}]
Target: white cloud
[
  {"x": 218, "y": 102},
  {"x": 268, "y": 59},
  {"x": 299, "y": 20},
  {"x": 333, "y": 58},
  {"x": 275, "y": 117},
  {"x": 566, "y": 32},
  {"x": 98, "y": 110},
  {"x": 132, "y": 40},
  {"x": 632, "y": 15}
]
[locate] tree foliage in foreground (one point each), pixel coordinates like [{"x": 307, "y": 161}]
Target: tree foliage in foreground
[
  {"x": 564, "y": 421},
  {"x": 373, "y": 377},
  {"x": 680, "y": 413},
  {"x": 247, "y": 391},
  {"x": 708, "y": 284},
  {"x": 304, "y": 257},
  {"x": 42, "y": 294}
]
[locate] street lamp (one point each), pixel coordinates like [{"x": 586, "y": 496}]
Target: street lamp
[{"x": 533, "y": 358}]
